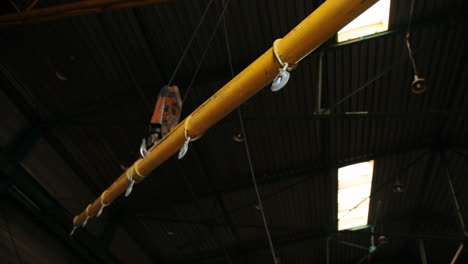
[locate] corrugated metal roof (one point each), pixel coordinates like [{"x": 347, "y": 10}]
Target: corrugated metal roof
[{"x": 115, "y": 63}]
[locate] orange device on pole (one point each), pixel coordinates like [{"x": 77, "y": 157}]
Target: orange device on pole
[{"x": 165, "y": 117}]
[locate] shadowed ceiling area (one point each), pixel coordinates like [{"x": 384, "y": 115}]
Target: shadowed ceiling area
[{"x": 77, "y": 92}]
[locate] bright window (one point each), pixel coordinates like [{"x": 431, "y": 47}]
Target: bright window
[
  {"x": 374, "y": 20},
  {"x": 354, "y": 186}
]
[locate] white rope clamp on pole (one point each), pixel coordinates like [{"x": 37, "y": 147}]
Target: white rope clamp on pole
[
  {"x": 183, "y": 150},
  {"x": 137, "y": 173},
  {"x": 283, "y": 76},
  {"x": 132, "y": 171},
  {"x": 132, "y": 182},
  {"x": 102, "y": 205},
  {"x": 87, "y": 217}
]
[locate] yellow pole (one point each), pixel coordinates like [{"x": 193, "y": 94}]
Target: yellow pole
[{"x": 319, "y": 26}]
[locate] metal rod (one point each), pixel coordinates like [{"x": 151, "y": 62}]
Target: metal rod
[
  {"x": 395, "y": 235},
  {"x": 15, "y": 6},
  {"x": 72, "y": 9},
  {"x": 455, "y": 200},
  {"x": 460, "y": 248},
  {"x": 32, "y": 5},
  {"x": 352, "y": 245},
  {"x": 322, "y": 24},
  {"x": 318, "y": 106},
  {"x": 422, "y": 251},
  {"x": 361, "y": 260}
]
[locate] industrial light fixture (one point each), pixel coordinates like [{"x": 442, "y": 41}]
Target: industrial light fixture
[
  {"x": 398, "y": 187},
  {"x": 382, "y": 240},
  {"x": 354, "y": 186},
  {"x": 61, "y": 76},
  {"x": 374, "y": 20},
  {"x": 238, "y": 137},
  {"x": 419, "y": 84}
]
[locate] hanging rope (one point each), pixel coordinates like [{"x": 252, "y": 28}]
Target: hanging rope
[
  {"x": 257, "y": 193},
  {"x": 189, "y": 186},
  {"x": 187, "y": 182},
  {"x": 205, "y": 51},
  {"x": 179, "y": 63},
  {"x": 249, "y": 158}
]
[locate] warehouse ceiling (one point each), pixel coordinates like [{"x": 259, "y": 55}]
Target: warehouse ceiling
[{"x": 77, "y": 93}]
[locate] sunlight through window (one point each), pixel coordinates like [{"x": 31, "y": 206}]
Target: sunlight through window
[
  {"x": 374, "y": 20},
  {"x": 354, "y": 186}
]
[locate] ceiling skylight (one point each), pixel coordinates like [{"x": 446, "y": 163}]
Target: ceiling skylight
[
  {"x": 354, "y": 186},
  {"x": 374, "y": 20}
]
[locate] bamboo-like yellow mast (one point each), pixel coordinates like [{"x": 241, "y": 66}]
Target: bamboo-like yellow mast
[{"x": 319, "y": 26}]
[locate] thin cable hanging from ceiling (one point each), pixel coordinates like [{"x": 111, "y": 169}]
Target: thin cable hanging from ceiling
[
  {"x": 182, "y": 153},
  {"x": 195, "y": 32},
  {"x": 257, "y": 192},
  {"x": 205, "y": 51},
  {"x": 168, "y": 105},
  {"x": 189, "y": 186},
  {"x": 249, "y": 158},
  {"x": 183, "y": 150},
  {"x": 166, "y": 97}
]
